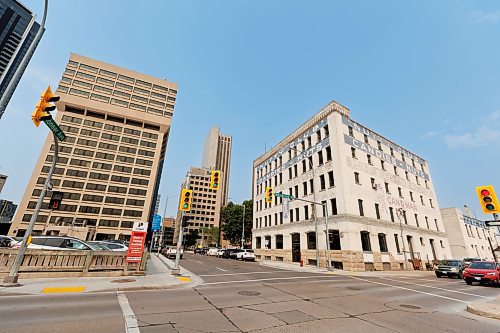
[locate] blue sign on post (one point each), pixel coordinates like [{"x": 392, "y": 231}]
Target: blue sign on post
[{"x": 156, "y": 226}]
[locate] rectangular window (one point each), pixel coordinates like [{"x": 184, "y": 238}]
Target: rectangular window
[
  {"x": 334, "y": 239},
  {"x": 360, "y": 206},
  {"x": 416, "y": 220},
  {"x": 331, "y": 180},
  {"x": 377, "y": 211},
  {"x": 353, "y": 152},
  {"x": 333, "y": 203},
  {"x": 322, "y": 182},
  {"x": 382, "y": 164},
  {"x": 372, "y": 182},
  {"x": 369, "y": 159},
  {"x": 366, "y": 138},
  {"x": 395, "y": 170},
  {"x": 304, "y": 188},
  {"x": 391, "y": 211},
  {"x": 436, "y": 223},
  {"x": 320, "y": 157},
  {"x": 382, "y": 243},
  {"x": 365, "y": 241},
  {"x": 311, "y": 241},
  {"x": 427, "y": 222},
  {"x": 328, "y": 153},
  {"x": 430, "y": 202},
  {"x": 411, "y": 196},
  {"x": 400, "y": 192},
  {"x": 387, "y": 188},
  {"x": 311, "y": 185},
  {"x": 279, "y": 241},
  {"x": 297, "y": 214},
  {"x": 306, "y": 213},
  {"x": 351, "y": 132},
  {"x": 396, "y": 240},
  {"x": 356, "y": 177}
]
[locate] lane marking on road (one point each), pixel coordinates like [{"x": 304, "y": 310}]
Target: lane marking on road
[
  {"x": 409, "y": 289},
  {"x": 199, "y": 262},
  {"x": 269, "y": 279},
  {"x": 221, "y": 269},
  {"x": 246, "y": 273},
  {"x": 50, "y": 290},
  {"x": 450, "y": 290},
  {"x": 131, "y": 325}
]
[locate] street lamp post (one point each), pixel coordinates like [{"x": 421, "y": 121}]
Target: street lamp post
[
  {"x": 400, "y": 213},
  {"x": 176, "y": 270}
]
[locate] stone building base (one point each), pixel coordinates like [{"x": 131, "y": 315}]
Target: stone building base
[{"x": 349, "y": 260}]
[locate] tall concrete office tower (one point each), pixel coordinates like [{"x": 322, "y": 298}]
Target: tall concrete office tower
[
  {"x": 17, "y": 32},
  {"x": 217, "y": 155},
  {"x": 117, "y": 123}
]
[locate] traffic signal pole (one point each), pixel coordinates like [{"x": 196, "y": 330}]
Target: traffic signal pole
[
  {"x": 11, "y": 279},
  {"x": 176, "y": 270}
]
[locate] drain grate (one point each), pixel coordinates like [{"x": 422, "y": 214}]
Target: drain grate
[
  {"x": 123, "y": 281},
  {"x": 409, "y": 306},
  {"x": 249, "y": 293}
]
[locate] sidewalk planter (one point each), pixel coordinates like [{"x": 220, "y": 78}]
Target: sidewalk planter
[{"x": 46, "y": 263}]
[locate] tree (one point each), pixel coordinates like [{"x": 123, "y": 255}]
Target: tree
[
  {"x": 190, "y": 239},
  {"x": 212, "y": 234},
  {"x": 231, "y": 218}
]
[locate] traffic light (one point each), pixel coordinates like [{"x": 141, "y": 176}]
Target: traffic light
[
  {"x": 186, "y": 198},
  {"x": 44, "y": 106},
  {"x": 215, "y": 180},
  {"x": 269, "y": 194},
  {"x": 488, "y": 199},
  {"x": 55, "y": 200}
]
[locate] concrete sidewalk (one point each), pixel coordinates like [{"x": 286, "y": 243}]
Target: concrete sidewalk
[
  {"x": 489, "y": 309},
  {"x": 158, "y": 276}
]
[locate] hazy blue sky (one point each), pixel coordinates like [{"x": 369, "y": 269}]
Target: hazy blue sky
[{"x": 425, "y": 74}]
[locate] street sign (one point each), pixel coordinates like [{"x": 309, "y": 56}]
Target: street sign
[
  {"x": 52, "y": 125},
  {"x": 136, "y": 244},
  {"x": 282, "y": 195},
  {"x": 492, "y": 223},
  {"x": 156, "y": 226}
]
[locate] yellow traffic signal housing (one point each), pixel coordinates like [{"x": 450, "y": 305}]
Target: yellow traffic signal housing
[
  {"x": 269, "y": 194},
  {"x": 44, "y": 106},
  {"x": 215, "y": 179},
  {"x": 488, "y": 199},
  {"x": 186, "y": 199}
]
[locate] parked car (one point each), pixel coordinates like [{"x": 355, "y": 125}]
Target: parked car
[
  {"x": 114, "y": 246},
  {"x": 482, "y": 272},
  {"x": 99, "y": 245},
  {"x": 233, "y": 252},
  {"x": 7, "y": 241},
  {"x": 57, "y": 243},
  {"x": 200, "y": 250},
  {"x": 449, "y": 268},
  {"x": 171, "y": 251},
  {"x": 220, "y": 253},
  {"x": 212, "y": 251},
  {"x": 468, "y": 261},
  {"x": 246, "y": 255}
]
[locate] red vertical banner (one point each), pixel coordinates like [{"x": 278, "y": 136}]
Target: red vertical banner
[{"x": 136, "y": 244}]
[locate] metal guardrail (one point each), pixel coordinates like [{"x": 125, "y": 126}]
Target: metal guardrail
[{"x": 71, "y": 261}]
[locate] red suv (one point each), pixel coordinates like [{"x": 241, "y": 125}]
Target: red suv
[{"x": 482, "y": 271}]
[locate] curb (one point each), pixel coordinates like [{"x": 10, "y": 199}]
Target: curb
[{"x": 484, "y": 313}]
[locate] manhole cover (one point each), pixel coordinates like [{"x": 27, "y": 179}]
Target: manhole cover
[
  {"x": 353, "y": 288},
  {"x": 123, "y": 281},
  {"x": 408, "y": 306},
  {"x": 249, "y": 293}
]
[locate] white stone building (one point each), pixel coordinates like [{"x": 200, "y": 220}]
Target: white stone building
[
  {"x": 365, "y": 181},
  {"x": 468, "y": 236}
]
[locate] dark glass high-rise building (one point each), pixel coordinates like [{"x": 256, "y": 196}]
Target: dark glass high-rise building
[{"x": 17, "y": 31}]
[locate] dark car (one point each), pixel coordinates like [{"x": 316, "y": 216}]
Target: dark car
[
  {"x": 449, "y": 268},
  {"x": 225, "y": 254},
  {"x": 200, "y": 250}
]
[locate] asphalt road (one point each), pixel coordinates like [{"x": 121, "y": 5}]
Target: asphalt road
[{"x": 247, "y": 297}]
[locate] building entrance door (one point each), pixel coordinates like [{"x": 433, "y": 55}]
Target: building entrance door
[
  {"x": 410, "y": 246},
  {"x": 434, "y": 257},
  {"x": 295, "y": 247}
]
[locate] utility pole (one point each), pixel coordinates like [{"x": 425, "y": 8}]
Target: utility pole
[{"x": 327, "y": 234}]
